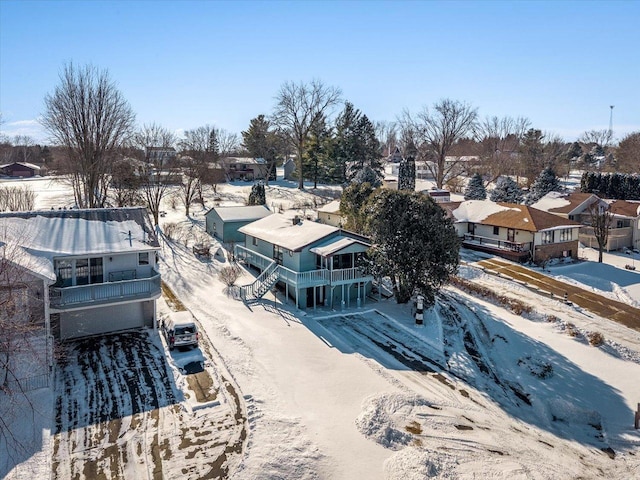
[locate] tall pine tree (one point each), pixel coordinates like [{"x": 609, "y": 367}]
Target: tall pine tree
[
  {"x": 414, "y": 243},
  {"x": 546, "y": 182},
  {"x": 507, "y": 190},
  {"x": 475, "y": 189}
]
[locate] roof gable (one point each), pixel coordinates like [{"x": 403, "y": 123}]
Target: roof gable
[
  {"x": 79, "y": 232},
  {"x": 241, "y": 213}
]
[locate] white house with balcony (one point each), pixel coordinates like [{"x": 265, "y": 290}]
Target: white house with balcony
[
  {"x": 313, "y": 263},
  {"x": 517, "y": 232},
  {"x": 95, "y": 270}
]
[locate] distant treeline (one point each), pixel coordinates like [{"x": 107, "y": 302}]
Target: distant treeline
[{"x": 611, "y": 185}]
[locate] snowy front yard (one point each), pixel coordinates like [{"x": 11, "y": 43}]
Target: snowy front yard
[{"x": 477, "y": 392}]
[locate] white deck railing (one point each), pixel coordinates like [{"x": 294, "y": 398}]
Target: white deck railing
[
  {"x": 104, "y": 292},
  {"x": 310, "y": 278}
]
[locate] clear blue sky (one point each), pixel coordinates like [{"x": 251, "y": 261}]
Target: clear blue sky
[{"x": 186, "y": 64}]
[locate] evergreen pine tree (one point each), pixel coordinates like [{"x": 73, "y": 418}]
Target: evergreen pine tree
[
  {"x": 414, "y": 243},
  {"x": 475, "y": 189},
  {"x": 407, "y": 174},
  {"x": 368, "y": 175},
  {"x": 258, "y": 195},
  {"x": 546, "y": 182},
  {"x": 507, "y": 190}
]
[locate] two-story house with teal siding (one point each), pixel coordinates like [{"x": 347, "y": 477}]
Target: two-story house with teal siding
[{"x": 313, "y": 263}]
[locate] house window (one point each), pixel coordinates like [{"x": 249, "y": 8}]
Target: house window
[
  {"x": 566, "y": 234},
  {"x": 548, "y": 237},
  {"x": 571, "y": 217},
  {"x": 277, "y": 254},
  {"x": 143, "y": 258},
  {"x": 496, "y": 230},
  {"x": 64, "y": 272},
  {"x": 623, "y": 223},
  {"x": 254, "y": 241}
]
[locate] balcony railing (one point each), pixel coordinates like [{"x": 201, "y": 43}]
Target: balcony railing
[
  {"x": 104, "y": 293},
  {"x": 310, "y": 278},
  {"x": 497, "y": 243}
]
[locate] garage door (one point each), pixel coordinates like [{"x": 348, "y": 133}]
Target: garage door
[{"x": 95, "y": 321}]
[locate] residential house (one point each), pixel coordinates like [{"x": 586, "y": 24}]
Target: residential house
[
  {"x": 95, "y": 270},
  {"x": 224, "y": 223},
  {"x": 246, "y": 169},
  {"x": 517, "y": 232},
  {"x": 160, "y": 156},
  {"x": 438, "y": 195},
  {"x": 329, "y": 214},
  {"x": 20, "y": 169},
  {"x": 315, "y": 264},
  {"x": 623, "y": 232},
  {"x": 288, "y": 167},
  {"x": 625, "y": 226}
]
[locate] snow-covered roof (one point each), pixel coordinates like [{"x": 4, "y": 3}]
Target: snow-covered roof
[
  {"x": 509, "y": 215},
  {"x": 283, "y": 231},
  {"x": 476, "y": 211},
  {"x": 24, "y": 164},
  {"x": 336, "y": 244},
  {"x": 241, "y": 213},
  {"x": 331, "y": 207},
  {"x": 52, "y": 233},
  {"x": 556, "y": 202}
]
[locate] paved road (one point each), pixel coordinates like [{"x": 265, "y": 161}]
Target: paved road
[{"x": 605, "y": 307}]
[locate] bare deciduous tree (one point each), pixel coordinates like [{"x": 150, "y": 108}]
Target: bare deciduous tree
[
  {"x": 601, "y": 219},
  {"x": 387, "y": 134},
  {"x": 499, "y": 140},
  {"x": 599, "y": 137},
  {"x": 17, "y": 199},
  {"x": 299, "y": 107},
  {"x": 24, "y": 346},
  {"x": 435, "y": 131},
  {"x": 628, "y": 153},
  {"x": 157, "y": 172},
  {"x": 90, "y": 117}
]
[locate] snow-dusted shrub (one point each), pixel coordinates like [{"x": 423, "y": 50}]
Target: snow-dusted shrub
[
  {"x": 551, "y": 318},
  {"x": 229, "y": 275},
  {"x": 595, "y": 339},
  {"x": 571, "y": 330}
]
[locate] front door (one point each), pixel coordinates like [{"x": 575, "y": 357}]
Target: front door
[{"x": 511, "y": 235}]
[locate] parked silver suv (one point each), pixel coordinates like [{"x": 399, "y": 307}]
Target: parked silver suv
[{"x": 180, "y": 330}]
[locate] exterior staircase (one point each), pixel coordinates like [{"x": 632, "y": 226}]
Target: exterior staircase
[{"x": 261, "y": 285}]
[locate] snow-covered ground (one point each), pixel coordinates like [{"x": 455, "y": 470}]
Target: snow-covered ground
[{"x": 477, "y": 392}]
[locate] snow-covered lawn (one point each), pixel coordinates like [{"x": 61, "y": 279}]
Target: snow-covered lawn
[{"x": 477, "y": 392}]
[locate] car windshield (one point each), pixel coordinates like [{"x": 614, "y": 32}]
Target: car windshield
[{"x": 182, "y": 330}]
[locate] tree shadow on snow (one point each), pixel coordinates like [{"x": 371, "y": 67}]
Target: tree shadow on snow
[{"x": 527, "y": 378}]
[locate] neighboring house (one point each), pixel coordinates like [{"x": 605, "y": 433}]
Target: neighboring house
[
  {"x": 330, "y": 214},
  {"x": 247, "y": 169},
  {"x": 438, "y": 195},
  {"x": 625, "y": 227},
  {"x": 315, "y": 264},
  {"x": 95, "y": 270},
  {"x": 288, "y": 168},
  {"x": 517, "y": 232},
  {"x": 623, "y": 232},
  {"x": 574, "y": 206},
  {"x": 224, "y": 222},
  {"x": 160, "y": 155},
  {"x": 20, "y": 169}
]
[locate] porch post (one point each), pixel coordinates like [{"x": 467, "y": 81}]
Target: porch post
[
  {"x": 286, "y": 288},
  {"x": 315, "y": 292}
]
